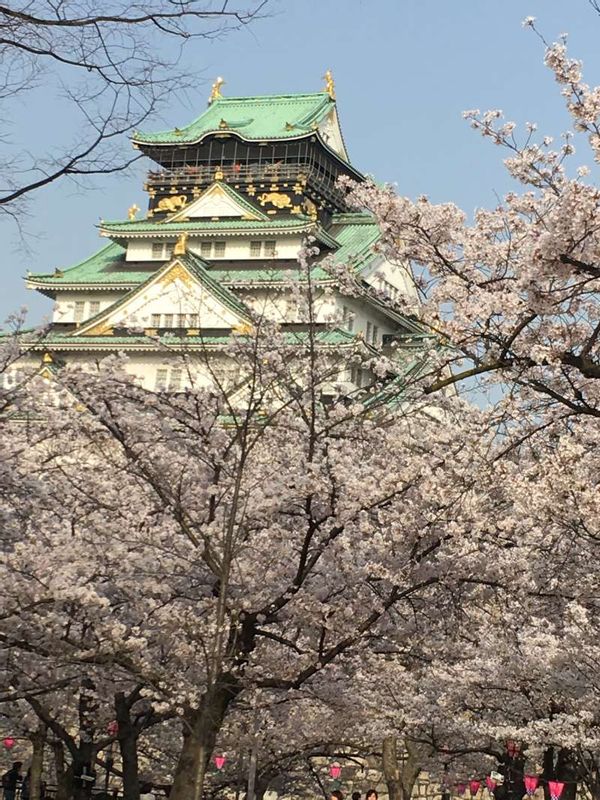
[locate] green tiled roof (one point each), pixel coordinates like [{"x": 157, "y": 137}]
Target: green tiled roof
[
  {"x": 393, "y": 393},
  {"x": 297, "y": 223},
  {"x": 356, "y": 243},
  {"x": 332, "y": 336},
  {"x": 106, "y": 266},
  {"x": 252, "y": 118}
]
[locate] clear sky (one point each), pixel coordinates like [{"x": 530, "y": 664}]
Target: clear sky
[{"x": 404, "y": 71}]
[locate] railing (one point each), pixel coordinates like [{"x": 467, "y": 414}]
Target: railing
[{"x": 269, "y": 173}]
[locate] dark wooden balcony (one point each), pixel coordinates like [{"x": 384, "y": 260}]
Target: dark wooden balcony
[{"x": 299, "y": 177}]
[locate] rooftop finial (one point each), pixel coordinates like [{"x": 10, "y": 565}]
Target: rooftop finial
[
  {"x": 180, "y": 248},
  {"x": 329, "y": 84},
  {"x": 132, "y": 211},
  {"x": 215, "y": 90}
]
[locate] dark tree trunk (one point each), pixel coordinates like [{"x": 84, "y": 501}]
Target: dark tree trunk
[
  {"x": 200, "y": 730},
  {"x": 127, "y": 736},
  {"x": 400, "y": 774},
  {"x": 63, "y": 781},
  {"x": 38, "y": 741}
]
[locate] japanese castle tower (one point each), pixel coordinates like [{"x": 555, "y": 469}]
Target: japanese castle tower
[{"x": 231, "y": 199}]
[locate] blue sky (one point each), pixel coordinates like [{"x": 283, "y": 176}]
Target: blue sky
[{"x": 404, "y": 71}]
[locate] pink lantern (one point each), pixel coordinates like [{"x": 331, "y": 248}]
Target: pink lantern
[
  {"x": 512, "y": 748},
  {"x": 461, "y": 788},
  {"x": 531, "y": 784},
  {"x": 220, "y": 761},
  {"x": 490, "y": 783},
  {"x": 556, "y": 789},
  {"x": 112, "y": 728},
  {"x": 335, "y": 771},
  {"x": 474, "y": 787},
  {"x": 8, "y": 742}
]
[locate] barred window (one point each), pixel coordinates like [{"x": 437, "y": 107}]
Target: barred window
[
  {"x": 219, "y": 250},
  {"x": 79, "y": 311},
  {"x": 162, "y": 375}
]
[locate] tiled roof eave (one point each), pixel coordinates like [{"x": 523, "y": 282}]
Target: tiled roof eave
[
  {"x": 160, "y": 232},
  {"x": 76, "y": 287}
]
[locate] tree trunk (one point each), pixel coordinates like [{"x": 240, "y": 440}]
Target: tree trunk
[
  {"x": 63, "y": 782},
  {"x": 128, "y": 748},
  {"x": 566, "y": 769},
  {"x": 400, "y": 774},
  {"x": 200, "y": 730},
  {"x": 391, "y": 768},
  {"x": 38, "y": 740}
]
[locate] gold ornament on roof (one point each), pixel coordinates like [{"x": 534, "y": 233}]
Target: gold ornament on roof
[
  {"x": 215, "y": 90},
  {"x": 172, "y": 203},
  {"x": 329, "y": 84},
  {"x": 132, "y": 211},
  {"x": 47, "y": 358},
  {"x": 180, "y": 248}
]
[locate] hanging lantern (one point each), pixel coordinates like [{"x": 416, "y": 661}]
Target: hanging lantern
[
  {"x": 474, "y": 787},
  {"x": 512, "y": 748},
  {"x": 220, "y": 761},
  {"x": 335, "y": 771},
  {"x": 531, "y": 784},
  {"x": 112, "y": 728},
  {"x": 490, "y": 783},
  {"x": 556, "y": 789},
  {"x": 461, "y": 788},
  {"x": 8, "y": 742}
]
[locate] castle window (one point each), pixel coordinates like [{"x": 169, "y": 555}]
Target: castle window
[
  {"x": 161, "y": 250},
  {"x": 155, "y": 320},
  {"x": 175, "y": 381},
  {"x": 167, "y": 321},
  {"x": 268, "y": 248},
  {"x": 375, "y": 338},
  {"x": 212, "y": 249},
  {"x": 194, "y": 321},
  {"x": 79, "y": 311},
  {"x": 369, "y": 332},
  {"x": 94, "y": 308},
  {"x": 347, "y": 319},
  {"x": 168, "y": 380},
  {"x": 162, "y": 375}
]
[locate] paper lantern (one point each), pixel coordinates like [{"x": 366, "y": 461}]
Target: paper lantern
[
  {"x": 461, "y": 788},
  {"x": 556, "y": 789},
  {"x": 220, "y": 761},
  {"x": 531, "y": 784},
  {"x": 8, "y": 742},
  {"x": 491, "y": 784},
  {"x": 474, "y": 787},
  {"x": 335, "y": 771}
]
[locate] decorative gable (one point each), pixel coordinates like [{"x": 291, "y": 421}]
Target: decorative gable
[
  {"x": 331, "y": 133},
  {"x": 181, "y": 291},
  {"x": 220, "y": 201}
]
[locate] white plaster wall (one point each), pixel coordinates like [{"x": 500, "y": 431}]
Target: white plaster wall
[
  {"x": 237, "y": 247},
  {"x": 281, "y": 306},
  {"x": 64, "y": 305},
  {"x": 397, "y": 275},
  {"x": 144, "y": 366},
  {"x": 176, "y": 297}
]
